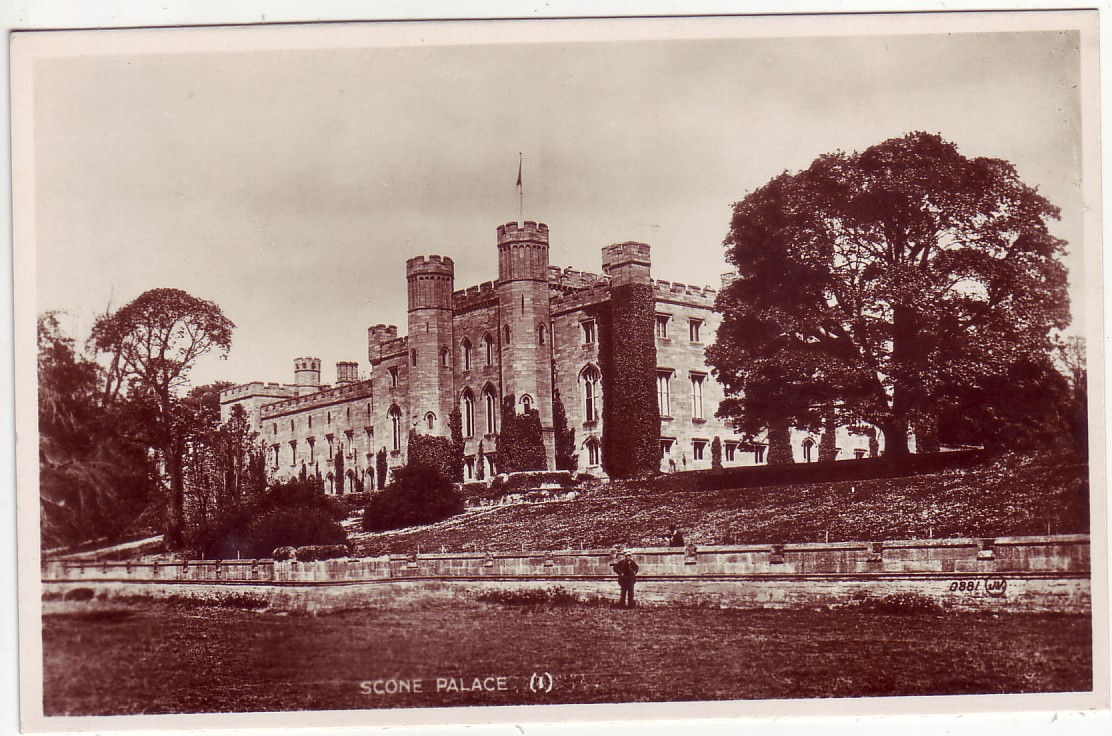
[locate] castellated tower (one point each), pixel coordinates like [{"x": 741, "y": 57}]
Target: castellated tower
[
  {"x": 306, "y": 374},
  {"x": 627, "y": 263},
  {"x": 431, "y": 386},
  {"x": 525, "y": 335}
]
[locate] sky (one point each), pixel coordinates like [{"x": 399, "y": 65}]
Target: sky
[{"x": 289, "y": 185}]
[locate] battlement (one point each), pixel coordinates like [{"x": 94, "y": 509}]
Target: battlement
[
  {"x": 674, "y": 291},
  {"x": 430, "y": 265},
  {"x": 324, "y": 397},
  {"x": 565, "y": 279},
  {"x": 347, "y": 371},
  {"x": 381, "y": 333},
  {"x": 528, "y": 231},
  {"x": 596, "y": 294},
  {"x": 473, "y": 296},
  {"x": 270, "y": 390},
  {"x": 306, "y": 364},
  {"x": 620, "y": 254}
]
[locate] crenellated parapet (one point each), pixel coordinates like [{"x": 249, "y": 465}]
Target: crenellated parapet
[
  {"x": 324, "y": 397},
  {"x": 257, "y": 388},
  {"x": 473, "y": 297},
  {"x": 597, "y": 294},
  {"x": 685, "y": 294},
  {"x": 430, "y": 281}
]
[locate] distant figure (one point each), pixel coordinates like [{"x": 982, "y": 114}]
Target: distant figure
[
  {"x": 626, "y": 569},
  {"x": 685, "y": 461},
  {"x": 671, "y": 465},
  {"x": 674, "y": 537}
]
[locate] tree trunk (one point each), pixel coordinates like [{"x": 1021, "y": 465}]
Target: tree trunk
[
  {"x": 895, "y": 438},
  {"x": 780, "y": 444},
  {"x": 173, "y": 534}
]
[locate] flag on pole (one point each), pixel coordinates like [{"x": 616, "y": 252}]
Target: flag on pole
[{"x": 520, "y": 193}]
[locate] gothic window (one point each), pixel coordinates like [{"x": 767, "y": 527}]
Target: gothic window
[
  {"x": 758, "y": 454},
  {"x": 445, "y": 357},
  {"x": 698, "y": 449},
  {"x": 697, "y": 395},
  {"x": 488, "y": 348},
  {"x": 349, "y": 435},
  {"x": 330, "y": 484},
  {"x": 465, "y": 354},
  {"x": 430, "y": 420},
  {"x": 506, "y": 334},
  {"x": 731, "y": 451},
  {"x": 808, "y": 449},
  {"x": 312, "y": 450},
  {"x": 490, "y": 403},
  {"x": 592, "y": 448},
  {"x": 666, "y": 444},
  {"x": 293, "y": 452},
  {"x": 274, "y": 464},
  {"x": 540, "y": 334},
  {"x": 393, "y": 376},
  {"x": 467, "y": 409},
  {"x": 395, "y": 415},
  {"x": 664, "y": 393},
  {"x": 331, "y": 446},
  {"x": 526, "y": 403},
  {"x": 588, "y": 331},
  {"x": 590, "y": 378},
  {"x": 469, "y": 467}
]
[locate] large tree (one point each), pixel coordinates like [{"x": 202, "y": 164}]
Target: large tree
[
  {"x": 152, "y": 343},
  {"x": 878, "y": 283},
  {"x": 95, "y": 479}
]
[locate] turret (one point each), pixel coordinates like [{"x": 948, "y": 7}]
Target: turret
[
  {"x": 376, "y": 336},
  {"x": 306, "y": 373},
  {"x": 523, "y": 251},
  {"x": 627, "y": 263},
  {"x": 431, "y": 281},
  {"x": 430, "y": 390},
  {"x": 346, "y": 372}
]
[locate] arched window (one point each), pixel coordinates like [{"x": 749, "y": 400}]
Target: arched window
[
  {"x": 490, "y": 404},
  {"x": 430, "y": 420},
  {"x": 395, "y": 415},
  {"x": 465, "y": 354},
  {"x": 506, "y": 334},
  {"x": 592, "y": 448},
  {"x": 808, "y": 449},
  {"x": 467, "y": 409},
  {"x": 445, "y": 357},
  {"x": 590, "y": 378},
  {"x": 526, "y": 403},
  {"x": 330, "y": 484},
  {"x": 488, "y": 347},
  {"x": 540, "y": 334}
]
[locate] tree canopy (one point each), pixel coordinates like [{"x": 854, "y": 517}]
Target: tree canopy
[
  {"x": 879, "y": 283},
  {"x": 151, "y": 344}
]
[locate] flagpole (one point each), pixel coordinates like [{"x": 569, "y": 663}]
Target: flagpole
[{"x": 520, "y": 194}]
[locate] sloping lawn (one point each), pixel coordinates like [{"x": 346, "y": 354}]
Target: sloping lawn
[{"x": 1013, "y": 496}]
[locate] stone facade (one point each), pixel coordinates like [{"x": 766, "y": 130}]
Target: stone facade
[{"x": 535, "y": 326}]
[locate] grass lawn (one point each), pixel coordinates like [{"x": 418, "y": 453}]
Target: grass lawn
[{"x": 110, "y": 658}]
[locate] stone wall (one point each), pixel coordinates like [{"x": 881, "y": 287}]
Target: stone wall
[{"x": 1008, "y": 573}]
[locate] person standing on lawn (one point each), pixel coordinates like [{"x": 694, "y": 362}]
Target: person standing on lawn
[
  {"x": 674, "y": 537},
  {"x": 626, "y": 570}
]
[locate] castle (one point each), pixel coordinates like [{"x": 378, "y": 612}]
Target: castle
[{"x": 535, "y": 329}]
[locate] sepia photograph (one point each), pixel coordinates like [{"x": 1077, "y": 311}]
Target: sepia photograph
[{"x": 396, "y": 373}]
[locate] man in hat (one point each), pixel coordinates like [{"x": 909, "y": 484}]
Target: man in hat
[{"x": 626, "y": 570}]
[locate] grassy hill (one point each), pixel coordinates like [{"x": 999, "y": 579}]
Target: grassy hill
[{"x": 1009, "y": 496}]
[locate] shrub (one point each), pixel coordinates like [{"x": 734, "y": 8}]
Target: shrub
[
  {"x": 291, "y": 514},
  {"x": 352, "y": 502},
  {"x": 716, "y": 453},
  {"x": 314, "y": 552},
  {"x": 565, "y": 438},
  {"x": 79, "y": 594},
  {"x": 420, "y": 494},
  {"x": 434, "y": 452},
  {"x": 380, "y": 468},
  {"x": 285, "y": 553}
]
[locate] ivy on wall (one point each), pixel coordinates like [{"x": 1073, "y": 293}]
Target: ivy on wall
[
  {"x": 565, "y": 438},
  {"x": 627, "y": 357}
]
